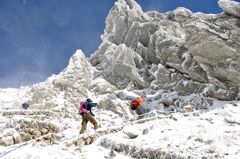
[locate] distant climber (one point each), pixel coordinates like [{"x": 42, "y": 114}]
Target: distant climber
[
  {"x": 25, "y": 105},
  {"x": 85, "y": 110},
  {"x": 136, "y": 105}
]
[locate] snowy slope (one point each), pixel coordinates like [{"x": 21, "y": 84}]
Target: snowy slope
[{"x": 214, "y": 134}]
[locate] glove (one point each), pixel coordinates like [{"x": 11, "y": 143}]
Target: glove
[{"x": 92, "y": 114}]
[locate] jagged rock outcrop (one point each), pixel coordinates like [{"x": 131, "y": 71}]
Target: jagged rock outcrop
[
  {"x": 151, "y": 53},
  {"x": 10, "y": 137},
  {"x": 118, "y": 65},
  {"x": 157, "y": 54},
  {"x": 176, "y": 51},
  {"x": 230, "y": 7},
  {"x": 72, "y": 84},
  {"x": 27, "y": 130}
]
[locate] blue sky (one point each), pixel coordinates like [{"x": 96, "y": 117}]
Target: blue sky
[{"x": 37, "y": 37}]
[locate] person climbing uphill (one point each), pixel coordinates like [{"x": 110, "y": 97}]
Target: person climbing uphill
[
  {"x": 85, "y": 110},
  {"x": 136, "y": 105}
]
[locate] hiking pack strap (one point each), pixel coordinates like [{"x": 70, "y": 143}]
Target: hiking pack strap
[{"x": 82, "y": 110}]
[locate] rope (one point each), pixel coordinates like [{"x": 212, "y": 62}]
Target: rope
[
  {"x": 156, "y": 113},
  {"x": 16, "y": 146}
]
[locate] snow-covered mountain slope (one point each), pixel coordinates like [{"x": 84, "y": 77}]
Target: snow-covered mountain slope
[
  {"x": 171, "y": 60},
  {"x": 214, "y": 134},
  {"x": 13, "y": 97},
  {"x": 197, "y": 135}
]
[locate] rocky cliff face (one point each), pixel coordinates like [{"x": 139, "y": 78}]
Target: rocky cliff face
[
  {"x": 164, "y": 56},
  {"x": 178, "y": 51}
]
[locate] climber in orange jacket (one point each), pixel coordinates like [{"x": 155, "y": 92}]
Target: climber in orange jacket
[{"x": 136, "y": 105}]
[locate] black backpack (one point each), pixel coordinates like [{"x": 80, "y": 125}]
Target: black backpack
[{"x": 25, "y": 105}]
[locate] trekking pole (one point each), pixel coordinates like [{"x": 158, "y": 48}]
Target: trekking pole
[{"x": 99, "y": 121}]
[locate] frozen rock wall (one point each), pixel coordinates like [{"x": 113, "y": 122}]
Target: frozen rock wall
[
  {"x": 71, "y": 85},
  {"x": 175, "y": 51}
]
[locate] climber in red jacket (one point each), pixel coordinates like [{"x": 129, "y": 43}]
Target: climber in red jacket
[{"x": 136, "y": 105}]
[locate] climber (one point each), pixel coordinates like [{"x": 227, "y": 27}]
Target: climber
[
  {"x": 136, "y": 105},
  {"x": 85, "y": 110},
  {"x": 25, "y": 105}
]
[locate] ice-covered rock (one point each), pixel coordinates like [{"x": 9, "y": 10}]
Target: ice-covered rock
[
  {"x": 175, "y": 51},
  {"x": 187, "y": 108},
  {"x": 7, "y": 140},
  {"x": 9, "y": 137},
  {"x": 131, "y": 133},
  {"x": 119, "y": 66},
  {"x": 71, "y": 85},
  {"x": 230, "y": 7}
]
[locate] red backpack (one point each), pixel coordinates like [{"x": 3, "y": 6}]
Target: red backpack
[{"x": 133, "y": 105}]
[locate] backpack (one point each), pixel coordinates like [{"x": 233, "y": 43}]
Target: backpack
[
  {"x": 25, "y": 105},
  {"x": 133, "y": 105},
  {"x": 82, "y": 110}
]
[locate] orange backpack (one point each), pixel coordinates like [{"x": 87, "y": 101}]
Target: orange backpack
[{"x": 136, "y": 103}]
